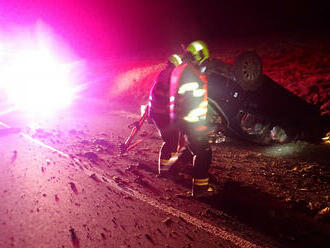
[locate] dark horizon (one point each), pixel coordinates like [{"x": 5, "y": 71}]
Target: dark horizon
[{"x": 101, "y": 28}]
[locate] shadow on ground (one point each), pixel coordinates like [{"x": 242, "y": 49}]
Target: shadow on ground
[
  {"x": 290, "y": 223},
  {"x": 291, "y": 226},
  {"x": 299, "y": 150}
]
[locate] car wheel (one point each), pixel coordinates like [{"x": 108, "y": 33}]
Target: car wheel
[{"x": 247, "y": 70}]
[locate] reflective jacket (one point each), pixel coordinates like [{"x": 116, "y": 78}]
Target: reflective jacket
[
  {"x": 159, "y": 94},
  {"x": 188, "y": 96}
]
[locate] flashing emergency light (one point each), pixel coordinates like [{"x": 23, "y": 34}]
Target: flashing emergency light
[{"x": 34, "y": 72}]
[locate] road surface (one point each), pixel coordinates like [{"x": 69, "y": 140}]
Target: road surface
[{"x": 63, "y": 184}]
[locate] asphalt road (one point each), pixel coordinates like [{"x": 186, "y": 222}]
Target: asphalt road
[{"x": 63, "y": 184}]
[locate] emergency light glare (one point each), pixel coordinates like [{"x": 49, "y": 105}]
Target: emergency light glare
[{"x": 33, "y": 76}]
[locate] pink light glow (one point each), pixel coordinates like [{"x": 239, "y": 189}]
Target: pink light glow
[{"x": 35, "y": 73}]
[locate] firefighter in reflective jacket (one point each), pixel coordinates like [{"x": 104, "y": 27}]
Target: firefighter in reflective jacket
[
  {"x": 188, "y": 111},
  {"x": 159, "y": 113}
]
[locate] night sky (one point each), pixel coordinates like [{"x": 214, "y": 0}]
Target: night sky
[{"x": 104, "y": 27}]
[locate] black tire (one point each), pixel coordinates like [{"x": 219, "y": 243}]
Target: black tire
[{"x": 247, "y": 70}]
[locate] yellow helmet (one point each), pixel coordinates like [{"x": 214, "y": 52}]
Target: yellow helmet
[
  {"x": 199, "y": 50},
  {"x": 175, "y": 59}
]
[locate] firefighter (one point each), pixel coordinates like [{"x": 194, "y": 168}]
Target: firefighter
[
  {"x": 188, "y": 112},
  {"x": 160, "y": 115}
]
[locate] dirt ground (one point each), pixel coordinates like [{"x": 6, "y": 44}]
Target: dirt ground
[
  {"x": 280, "y": 191},
  {"x": 284, "y": 189}
]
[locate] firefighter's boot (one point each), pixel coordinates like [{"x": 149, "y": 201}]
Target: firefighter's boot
[
  {"x": 165, "y": 165},
  {"x": 201, "y": 188}
]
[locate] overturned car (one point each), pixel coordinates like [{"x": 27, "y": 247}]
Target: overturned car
[{"x": 245, "y": 103}]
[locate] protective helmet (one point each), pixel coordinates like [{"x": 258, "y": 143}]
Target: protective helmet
[
  {"x": 198, "y": 49},
  {"x": 175, "y": 59}
]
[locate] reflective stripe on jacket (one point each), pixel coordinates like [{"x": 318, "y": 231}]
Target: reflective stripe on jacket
[{"x": 188, "y": 96}]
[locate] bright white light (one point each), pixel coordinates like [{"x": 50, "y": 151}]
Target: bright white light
[
  {"x": 37, "y": 82},
  {"x": 34, "y": 76}
]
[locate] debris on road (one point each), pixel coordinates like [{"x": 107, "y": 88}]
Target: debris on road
[
  {"x": 119, "y": 180},
  {"x": 148, "y": 237},
  {"x": 76, "y": 132},
  {"x": 85, "y": 142},
  {"x": 74, "y": 188},
  {"x": 140, "y": 180},
  {"x": 90, "y": 155},
  {"x": 41, "y": 133},
  {"x": 74, "y": 238},
  {"x": 103, "y": 142},
  {"x": 14, "y": 157},
  {"x": 95, "y": 178},
  {"x": 168, "y": 221}
]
